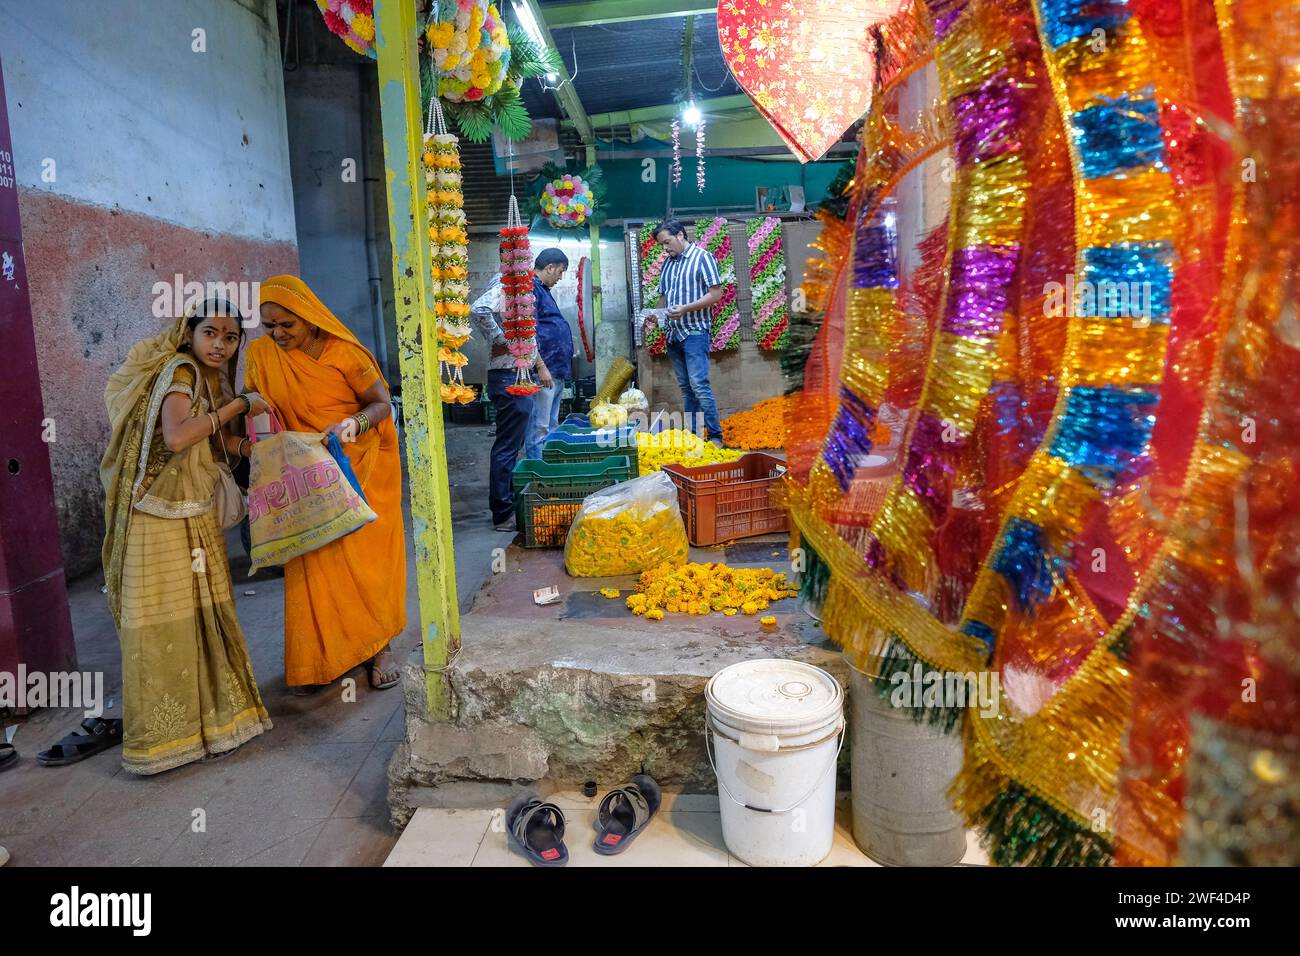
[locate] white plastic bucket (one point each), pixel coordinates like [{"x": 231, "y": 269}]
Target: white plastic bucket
[{"x": 777, "y": 727}]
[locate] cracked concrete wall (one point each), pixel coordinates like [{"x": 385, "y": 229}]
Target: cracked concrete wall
[{"x": 137, "y": 157}]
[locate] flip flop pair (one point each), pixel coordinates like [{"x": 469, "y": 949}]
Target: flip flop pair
[{"x": 536, "y": 827}]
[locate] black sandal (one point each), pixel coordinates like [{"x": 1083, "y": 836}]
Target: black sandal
[
  {"x": 77, "y": 747},
  {"x": 624, "y": 812},
  {"x": 536, "y": 828},
  {"x": 8, "y": 757}
]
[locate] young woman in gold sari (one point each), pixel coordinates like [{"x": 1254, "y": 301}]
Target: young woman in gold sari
[
  {"x": 345, "y": 601},
  {"x": 188, "y": 690}
]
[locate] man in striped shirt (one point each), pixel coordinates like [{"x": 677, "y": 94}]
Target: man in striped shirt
[{"x": 691, "y": 286}]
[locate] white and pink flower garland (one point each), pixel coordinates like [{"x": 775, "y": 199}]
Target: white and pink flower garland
[
  {"x": 767, "y": 283},
  {"x": 699, "y": 155},
  {"x": 712, "y": 235},
  {"x": 677, "y": 152}
]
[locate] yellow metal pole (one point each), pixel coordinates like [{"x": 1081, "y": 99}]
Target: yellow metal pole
[{"x": 396, "y": 30}]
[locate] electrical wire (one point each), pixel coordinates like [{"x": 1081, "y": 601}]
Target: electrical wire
[{"x": 570, "y": 77}]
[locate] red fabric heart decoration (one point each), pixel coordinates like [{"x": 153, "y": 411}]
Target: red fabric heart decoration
[{"x": 806, "y": 64}]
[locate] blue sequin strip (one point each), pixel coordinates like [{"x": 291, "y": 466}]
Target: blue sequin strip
[
  {"x": 979, "y": 629},
  {"x": 1118, "y": 134},
  {"x": 1066, "y": 20},
  {"x": 850, "y": 437},
  {"x": 1026, "y": 563},
  {"x": 1105, "y": 428},
  {"x": 1132, "y": 280}
]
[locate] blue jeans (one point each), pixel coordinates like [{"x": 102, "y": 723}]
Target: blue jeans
[
  {"x": 544, "y": 419},
  {"x": 690, "y": 358},
  {"x": 512, "y": 426}
]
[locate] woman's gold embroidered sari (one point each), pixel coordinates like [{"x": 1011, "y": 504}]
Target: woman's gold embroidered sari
[{"x": 187, "y": 685}]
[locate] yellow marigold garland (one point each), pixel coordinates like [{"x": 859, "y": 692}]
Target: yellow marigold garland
[{"x": 448, "y": 261}]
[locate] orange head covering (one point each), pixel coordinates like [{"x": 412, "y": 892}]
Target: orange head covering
[{"x": 292, "y": 293}]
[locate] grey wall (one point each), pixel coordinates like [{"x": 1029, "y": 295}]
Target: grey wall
[
  {"x": 137, "y": 158},
  {"x": 328, "y": 106}
]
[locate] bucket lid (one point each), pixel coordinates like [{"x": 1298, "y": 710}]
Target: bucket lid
[{"x": 774, "y": 696}]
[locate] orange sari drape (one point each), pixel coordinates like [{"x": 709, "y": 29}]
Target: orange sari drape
[{"x": 345, "y": 601}]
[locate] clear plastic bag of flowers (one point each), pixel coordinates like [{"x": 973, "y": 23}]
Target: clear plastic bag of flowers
[
  {"x": 634, "y": 400},
  {"x": 626, "y": 528}
]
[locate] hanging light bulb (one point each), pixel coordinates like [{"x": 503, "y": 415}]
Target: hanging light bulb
[{"x": 691, "y": 115}]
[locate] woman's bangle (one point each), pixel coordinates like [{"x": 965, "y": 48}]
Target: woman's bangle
[
  {"x": 216, "y": 422},
  {"x": 242, "y": 453},
  {"x": 248, "y": 402},
  {"x": 363, "y": 422}
]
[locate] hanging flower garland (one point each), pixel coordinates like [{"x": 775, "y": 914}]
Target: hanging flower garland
[
  {"x": 352, "y": 21},
  {"x": 518, "y": 309},
  {"x": 767, "y": 283},
  {"x": 566, "y": 201},
  {"x": 448, "y": 255},
  {"x": 713, "y": 236},
  {"x": 470, "y": 49},
  {"x": 677, "y": 151},
  {"x": 651, "y": 256},
  {"x": 699, "y": 155}
]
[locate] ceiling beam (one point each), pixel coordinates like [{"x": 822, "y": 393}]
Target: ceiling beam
[
  {"x": 566, "y": 93},
  {"x": 590, "y": 13},
  {"x": 647, "y": 114}
]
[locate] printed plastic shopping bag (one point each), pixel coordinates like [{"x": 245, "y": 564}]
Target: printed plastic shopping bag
[
  {"x": 626, "y": 528},
  {"x": 299, "y": 497}
]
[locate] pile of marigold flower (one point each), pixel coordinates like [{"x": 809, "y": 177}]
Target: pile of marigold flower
[
  {"x": 705, "y": 588},
  {"x": 762, "y": 426},
  {"x": 677, "y": 447}
]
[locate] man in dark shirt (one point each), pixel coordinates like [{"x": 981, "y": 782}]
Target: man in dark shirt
[{"x": 554, "y": 349}]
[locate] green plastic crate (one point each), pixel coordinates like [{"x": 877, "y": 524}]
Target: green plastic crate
[
  {"x": 560, "y": 451},
  {"x": 570, "y": 474},
  {"x": 544, "y": 512}
]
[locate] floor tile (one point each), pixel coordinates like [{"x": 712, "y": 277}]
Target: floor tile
[{"x": 441, "y": 838}]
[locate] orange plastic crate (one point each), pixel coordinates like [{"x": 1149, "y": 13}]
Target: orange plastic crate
[{"x": 729, "y": 500}]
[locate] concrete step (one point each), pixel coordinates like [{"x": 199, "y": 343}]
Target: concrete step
[{"x": 581, "y": 690}]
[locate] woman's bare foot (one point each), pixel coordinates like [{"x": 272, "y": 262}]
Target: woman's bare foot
[{"x": 384, "y": 672}]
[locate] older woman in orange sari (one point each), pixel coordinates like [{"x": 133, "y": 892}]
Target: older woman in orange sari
[{"x": 345, "y": 601}]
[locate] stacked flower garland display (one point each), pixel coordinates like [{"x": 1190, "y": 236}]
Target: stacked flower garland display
[
  {"x": 767, "y": 283},
  {"x": 448, "y": 261},
  {"x": 651, "y": 256},
  {"x": 352, "y": 21},
  {"x": 567, "y": 201},
  {"x": 518, "y": 308},
  {"x": 470, "y": 48},
  {"x": 712, "y": 235}
]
